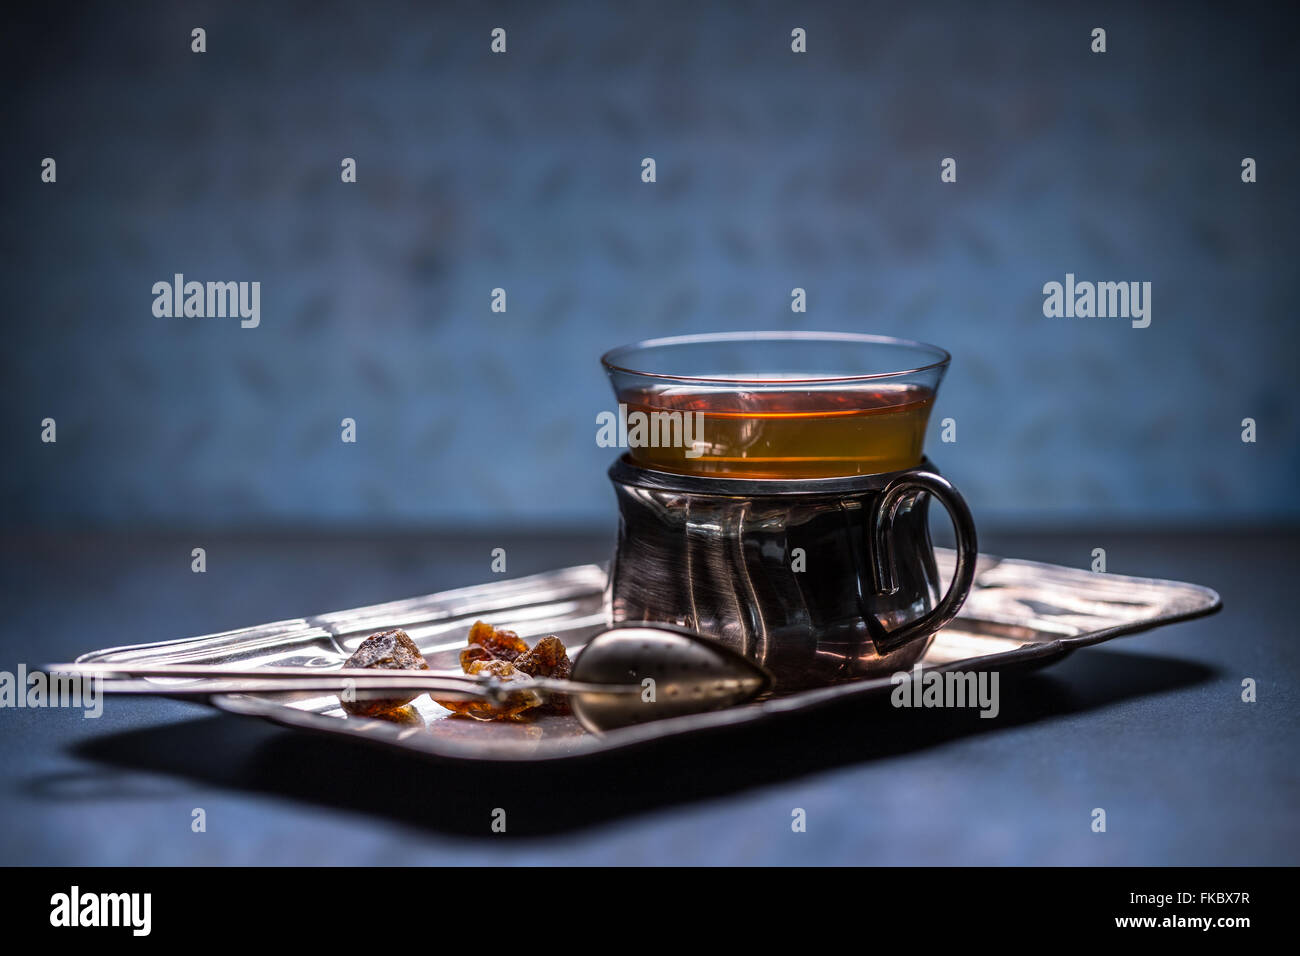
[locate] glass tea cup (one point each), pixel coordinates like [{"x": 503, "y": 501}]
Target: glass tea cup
[{"x": 774, "y": 495}]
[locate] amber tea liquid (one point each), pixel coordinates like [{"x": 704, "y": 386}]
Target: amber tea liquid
[{"x": 814, "y": 433}]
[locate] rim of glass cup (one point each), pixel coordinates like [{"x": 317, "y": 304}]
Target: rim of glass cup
[{"x": 611, "y": 358}]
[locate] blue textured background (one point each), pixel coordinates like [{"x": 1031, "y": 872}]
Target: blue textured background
[{"x": 522, "y": 171}]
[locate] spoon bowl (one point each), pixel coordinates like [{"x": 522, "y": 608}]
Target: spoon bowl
[{"x": 679, "y": 671}]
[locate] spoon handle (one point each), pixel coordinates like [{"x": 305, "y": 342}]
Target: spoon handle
[{"x": 203, "y": 680}]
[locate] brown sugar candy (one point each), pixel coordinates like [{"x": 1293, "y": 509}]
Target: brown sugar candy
[
  {"x": 548, "y": 658},
  {"x": 488, "y": 643},
  {"x": 505, "y": 655},
  {"x": 385, "y": 650}
]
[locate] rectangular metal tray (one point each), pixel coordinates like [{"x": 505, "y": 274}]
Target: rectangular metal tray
[{"x": 1019, "y": 613}]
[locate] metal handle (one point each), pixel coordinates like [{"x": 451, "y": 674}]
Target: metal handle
[
  {"x": 884, "y": 565},
  {"x": 205, "y": 679}
]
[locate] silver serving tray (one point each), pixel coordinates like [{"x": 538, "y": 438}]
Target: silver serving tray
[{"x": 1019, "y": 613}]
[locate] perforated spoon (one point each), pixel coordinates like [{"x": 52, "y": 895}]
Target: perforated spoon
[{"x": 628, "y": 674}]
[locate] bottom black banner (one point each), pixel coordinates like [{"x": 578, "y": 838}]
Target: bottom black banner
[{"x": 336, "y": 906}]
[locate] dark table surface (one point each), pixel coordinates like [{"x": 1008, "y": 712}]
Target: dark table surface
[{"x": 1152, "y": 728}]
